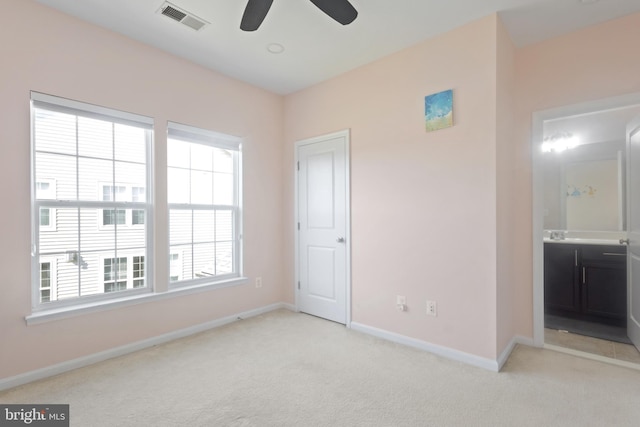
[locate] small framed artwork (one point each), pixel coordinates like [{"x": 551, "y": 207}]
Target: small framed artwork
[{"x": 438, "y": 110}]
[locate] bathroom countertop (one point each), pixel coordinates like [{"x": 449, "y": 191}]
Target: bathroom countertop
[
  {"x": 583, "y": 241},
  {"x": 586, "y": 237}
]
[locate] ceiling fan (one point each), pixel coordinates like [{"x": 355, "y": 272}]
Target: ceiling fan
[{"x": 256, "y": 10}]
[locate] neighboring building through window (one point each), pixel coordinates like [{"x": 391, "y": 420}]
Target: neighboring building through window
[
  {"x": 138, "y": 271},
  {"x": 90, "y": 174},
  {"x": 111, "y": 193},
  {"x": 45, "y": 281},
  {"x": 204, "y": 205},
  {"x": 175, "y": 267},
  {"x": 137, "y": 215},
  {"x": 115, "y": 274},
  {"x": 46, "y": 190}
]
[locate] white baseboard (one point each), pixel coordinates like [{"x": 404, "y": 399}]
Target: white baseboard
[
  {"x": 449, "y": 353},
  {"x": 504, "y": 356},
  {"x": 49, "y": 371}
]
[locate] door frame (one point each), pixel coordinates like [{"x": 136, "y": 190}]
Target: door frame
[
  {"x": 537, "y": 219},
  {"x": 314, "y": 140}
]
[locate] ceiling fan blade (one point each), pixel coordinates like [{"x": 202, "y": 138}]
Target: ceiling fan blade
[
  {"x": 254, "y": 14},
  {"x": 340, "y": 10}
]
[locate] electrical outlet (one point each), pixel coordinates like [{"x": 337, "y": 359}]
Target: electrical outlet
[
  {"x": 258, "y": 282},
  {"x": 432, "y": 308},
  {"x": 401, "y": 303}
]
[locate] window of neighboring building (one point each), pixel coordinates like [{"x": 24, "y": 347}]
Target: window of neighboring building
[
  {"x": 175, "y": 267},
  {"x": 203, "y": 179},
  {"x": 138, "y": 271},
  {"x": 111, "y": 193},
  {"x": 86, "y": 162},
  {"x": 137, "y": 215},
  {"x": 45, "y": 281},
  {"x": 115, "y": 274},
  {"x": 46, "y": 190}
]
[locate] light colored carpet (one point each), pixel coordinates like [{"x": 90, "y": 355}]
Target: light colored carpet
[{"x": 291, "y": 369}]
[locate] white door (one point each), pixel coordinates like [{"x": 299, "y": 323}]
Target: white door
[
  {"x": 633, "y": 209},
  {"x": 323, "y": 226}
]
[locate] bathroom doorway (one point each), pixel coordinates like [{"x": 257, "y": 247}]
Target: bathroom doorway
[{"x": 579, "y": 229}]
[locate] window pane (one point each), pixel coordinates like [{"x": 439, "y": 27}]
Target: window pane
[
  {"x": 178, "y": 181},
  {"x": 204, "y": 226},
  {"x": 204, "y": 255},
  {"x": 178, "y": 153},
  {"x": 55, "y": 132},
  {"x": 138, "y": 194},
  {"x": 95, "y": 138},
  {"x": 65, "y": 238},
  {"x": 180, "y": 222},
  {"x": 93, "y": 236},
  {"x": 222, "y": 160},
  {"x": 224, "y": 258},
  {"x": 130, "y": 143},
  {"x": 129, "y": 175},
  {"x": 180, "y": 262},
  {"x": 223, "y": 189},
  {"x": 93, "y": 175},
  {"x": 224, "y": 226},
  {"x": 201, "y": 157},
  {"x": 62, "y": 169},
  {"x": 201, "y": 187}
]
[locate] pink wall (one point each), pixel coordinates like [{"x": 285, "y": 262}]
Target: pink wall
[
  {"x": 423, "y": 204},
  {"x": 508, "y": 276},
  {"x": 591, "y": 64},
  {"x": 62, "y": 56}
]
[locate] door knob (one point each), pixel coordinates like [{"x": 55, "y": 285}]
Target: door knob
[
  {"x": 340, "y": 240},
  {"x": 624, "y": 241}
]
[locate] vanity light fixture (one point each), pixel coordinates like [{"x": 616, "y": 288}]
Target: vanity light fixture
[{"x": 559, "y": 141}]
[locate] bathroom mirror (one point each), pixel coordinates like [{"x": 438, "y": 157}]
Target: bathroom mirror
[{"x": 584, "y": 171}]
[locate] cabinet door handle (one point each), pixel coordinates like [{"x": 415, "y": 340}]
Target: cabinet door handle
[
  {"x": 584, "y": 275},
  {"x": 613, "y": 254},
  {"x": 575, "y": 254}
]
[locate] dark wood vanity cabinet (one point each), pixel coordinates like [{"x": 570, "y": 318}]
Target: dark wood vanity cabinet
[
  {"x": 561, "y": 291},
  {"x": 586, "y": 281}
]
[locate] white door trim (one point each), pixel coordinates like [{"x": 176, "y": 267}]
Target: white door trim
[
  {"x": 346, "y": 134},
  {"x": 539, "y": 117}
]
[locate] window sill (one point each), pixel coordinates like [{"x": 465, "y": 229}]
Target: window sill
[{"x": 94, "y": 307}]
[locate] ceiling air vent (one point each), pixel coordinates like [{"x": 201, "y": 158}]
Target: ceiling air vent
[{"x": 182, "y": 16}]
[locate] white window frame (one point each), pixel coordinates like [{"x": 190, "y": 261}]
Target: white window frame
[
  {"x": 53, "y": 103},
  {"x": 195, "y": 135}
]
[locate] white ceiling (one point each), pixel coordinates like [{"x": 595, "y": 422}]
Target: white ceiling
[{"x": 318, "y": 48}]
